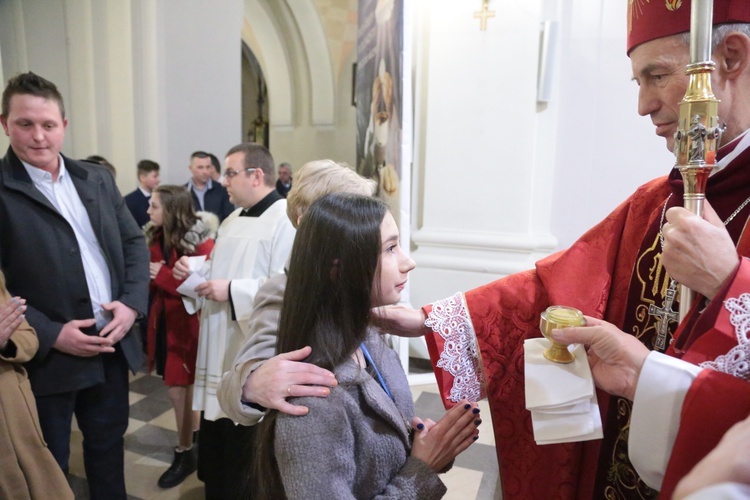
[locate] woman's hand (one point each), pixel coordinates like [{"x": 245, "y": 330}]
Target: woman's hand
[
  {"x": 11, "y": 317},
  {"x": 437, "y": 444},
  {"x": 154, "y": 267}
]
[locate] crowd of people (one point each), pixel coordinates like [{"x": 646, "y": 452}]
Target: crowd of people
[{"x": 262, "y": 303}]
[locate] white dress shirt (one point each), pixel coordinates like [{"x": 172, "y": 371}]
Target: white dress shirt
[{"x": 64, "y": 197}]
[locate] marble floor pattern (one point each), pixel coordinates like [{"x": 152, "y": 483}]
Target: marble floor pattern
[{"x": 152, "y": 434}]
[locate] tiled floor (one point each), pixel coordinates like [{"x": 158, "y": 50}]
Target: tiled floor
[{"x": 152, "y": 434}]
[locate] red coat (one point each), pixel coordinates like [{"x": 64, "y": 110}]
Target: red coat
[{"x": 182, "y": 328}]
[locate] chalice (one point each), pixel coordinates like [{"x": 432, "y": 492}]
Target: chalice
[{"x": 556, "y": 317}]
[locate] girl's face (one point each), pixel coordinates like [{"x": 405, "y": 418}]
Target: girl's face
[
  {"x": 155, "y": 211},
  {"x": 393, "y": 267}
]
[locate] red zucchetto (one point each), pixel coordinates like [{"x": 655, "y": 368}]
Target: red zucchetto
[{"x": 652, "y": 19}]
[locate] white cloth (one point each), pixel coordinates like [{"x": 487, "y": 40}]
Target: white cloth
[
  {"x": 662, "y": 385},
  {"x": 561, "y": 397},
  {"x": 64, "y": 197},
  {"x": 248, "y": 251}
]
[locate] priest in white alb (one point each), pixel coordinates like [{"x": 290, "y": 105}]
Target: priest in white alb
[{"x": 253, "y": 244}]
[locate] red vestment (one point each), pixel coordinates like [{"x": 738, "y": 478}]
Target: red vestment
[
  {"x": 612, "y": 272},
  {"x": 716, "y": 339}
]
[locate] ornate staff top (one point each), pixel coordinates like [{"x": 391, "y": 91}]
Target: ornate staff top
[{"x": 699, "y": 133}]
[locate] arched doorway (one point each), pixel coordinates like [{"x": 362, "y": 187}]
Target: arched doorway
[{"x": 254, "y": 99}]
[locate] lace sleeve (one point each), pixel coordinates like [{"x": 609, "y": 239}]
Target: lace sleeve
[
  {"x": 736, "y": 362},
  {"x": 450, "y": 319}
]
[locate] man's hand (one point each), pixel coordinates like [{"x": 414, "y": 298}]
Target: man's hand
[
  {"x": 216, "y": 290},
  {"x": 123, "y": 320},
  {"x": 283, "y": 376},
  {"x": 11, "y": 317},
  {"x": 73, "y": 341},
  {"x": 181, "y": 268},
  {"x": 154, "y": 267},
  {"x": 437, "y": 444},
  {"x": 615, "y": 357},
  {"x": 401, "y": 321},
  {"x": 698, "y": 253}
]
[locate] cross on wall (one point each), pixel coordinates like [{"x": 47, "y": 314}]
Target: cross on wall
[{"x": 483, "y": 15}]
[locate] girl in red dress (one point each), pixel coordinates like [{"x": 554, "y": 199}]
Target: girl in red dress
[{"x": 175, "y": 230}]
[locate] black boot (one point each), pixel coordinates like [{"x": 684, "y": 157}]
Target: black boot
[{"x": 184, "y": 463}]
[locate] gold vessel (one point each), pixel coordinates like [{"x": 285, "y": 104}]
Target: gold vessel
[{"x": 556, "y": 317}]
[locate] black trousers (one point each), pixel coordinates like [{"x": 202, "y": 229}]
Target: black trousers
[
  {"x": 102, "y": 415},
  {"x": 225, "y": 459}
]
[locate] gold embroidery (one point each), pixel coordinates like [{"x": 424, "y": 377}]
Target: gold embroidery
[
  {"x": 635, "y": 9},
  {"x": 624, "y": 480},
  {"x": 673, "y": 5},
  {"x": 654, "y": 281}
]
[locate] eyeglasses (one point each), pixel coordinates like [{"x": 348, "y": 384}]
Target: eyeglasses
[{"x": 230, "y": 173}]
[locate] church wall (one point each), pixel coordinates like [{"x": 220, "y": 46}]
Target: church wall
[
  {"x": 313, "y": 118},
  {"x": 199, "y": 61},
  {"x": 500, "y": 179},
  {"x": 140, "y": 79}
]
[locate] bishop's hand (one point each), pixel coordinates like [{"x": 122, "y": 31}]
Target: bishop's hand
[
  {"x": 615, "y": 357},
  {"x": 698, "y": 252}
]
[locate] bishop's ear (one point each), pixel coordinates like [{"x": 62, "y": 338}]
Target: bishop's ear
[{"x": 733, "y": 55}]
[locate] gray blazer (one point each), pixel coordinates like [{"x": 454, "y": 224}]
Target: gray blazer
[
  {"x": 355, "y": 443},
  {"x": 41, "y": 259}
]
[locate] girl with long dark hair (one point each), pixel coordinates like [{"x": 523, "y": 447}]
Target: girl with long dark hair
[
  {"x": 357, "y": 442},
  {"x": 176, "y": 230}
]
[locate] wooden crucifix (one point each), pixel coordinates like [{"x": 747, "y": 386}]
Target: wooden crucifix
[{"x": 484, "y": 14}]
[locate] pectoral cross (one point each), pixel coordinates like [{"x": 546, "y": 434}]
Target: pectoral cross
[
  {"x": 665, "y": 315},
  {"x": 483, "y": 15}
]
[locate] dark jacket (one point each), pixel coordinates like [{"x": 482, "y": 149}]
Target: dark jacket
[
  {"x": 216, "y": 201},
  {"x": 138, "y": 205},
  {"x": 41, "y": 259}
]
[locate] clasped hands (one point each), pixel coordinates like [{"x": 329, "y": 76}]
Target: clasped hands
[
  {"x": 11, "y": 317},
  {"x": 73, "y": 340}
]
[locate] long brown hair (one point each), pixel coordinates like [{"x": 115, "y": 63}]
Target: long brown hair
[
  {"x": 327, "y": 301},
  {"x": 178, "y": 218}
]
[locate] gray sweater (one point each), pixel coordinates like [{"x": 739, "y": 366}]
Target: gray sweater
[{"x": 355, "y": 443}]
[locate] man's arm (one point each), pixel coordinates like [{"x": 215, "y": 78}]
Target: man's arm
[
  {"x": 261, "y": 379},
  {"x": 136, "y": 256}
]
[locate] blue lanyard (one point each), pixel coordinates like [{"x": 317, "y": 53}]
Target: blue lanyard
[{"x": 366, "y": 353}]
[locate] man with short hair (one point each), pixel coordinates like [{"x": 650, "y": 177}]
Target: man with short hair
[
  {"x": 138, "y": 201},
  {"x": 252, "y": 245},
  {"x": 208, "y": 195},
  {"x": 284, "y": 184},
  {"x": 70, "y": 247}
]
